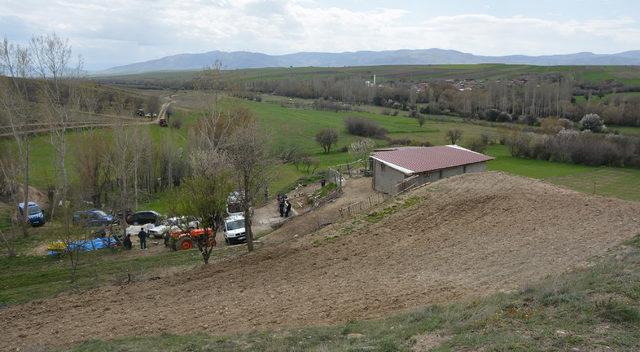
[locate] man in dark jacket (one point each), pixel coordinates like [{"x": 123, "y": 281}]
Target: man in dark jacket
[
  {"x": 288, "y": 209},
  {"x": 127, "y": 241},
  {"x": 143, "y": 239}
]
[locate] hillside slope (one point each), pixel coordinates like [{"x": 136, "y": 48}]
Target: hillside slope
[{"x": 455, "y": 239}]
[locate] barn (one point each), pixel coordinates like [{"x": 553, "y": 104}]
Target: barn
[{"x": 396, "y": 169}]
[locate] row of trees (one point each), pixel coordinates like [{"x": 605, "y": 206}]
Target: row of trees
[{"x": 523, "y": 100}]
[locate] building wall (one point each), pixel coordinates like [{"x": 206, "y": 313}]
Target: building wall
[{"x": 385, "y": 178}]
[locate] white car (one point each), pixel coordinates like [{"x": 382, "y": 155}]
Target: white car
[
  {"x": 234, "y": 231},
  {"x": 160, "y": 230},
  {"x": 133, "y": 230}
]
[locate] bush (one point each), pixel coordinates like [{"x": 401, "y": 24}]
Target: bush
[
  {"x": 454, "y": 135},
  {"x": 175, "y": 122},
  {"x": 365, "y": 128},
  {"x": 327, "y": 138},
  {"x": 592, "y": 122},
  {"x": 578, "y": 148}
]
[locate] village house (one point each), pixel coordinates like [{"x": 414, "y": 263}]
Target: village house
[{"x": 396, "y": 169}]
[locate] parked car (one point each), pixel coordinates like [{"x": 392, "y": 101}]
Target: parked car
[
  {"x": 34, "y": 213},
  {"x": 143, "y": 218},
  {"x": 234, "y": 231},
  {"x": 174, "y": 224},
  {"x": 133, "y": 230},
  {"x": 92, "y": 218}
]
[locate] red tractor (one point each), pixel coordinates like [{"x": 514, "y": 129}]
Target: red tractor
[{"x": 184, "y": 240}]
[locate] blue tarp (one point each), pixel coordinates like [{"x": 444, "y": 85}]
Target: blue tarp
[{"x": 88, "y": 245}]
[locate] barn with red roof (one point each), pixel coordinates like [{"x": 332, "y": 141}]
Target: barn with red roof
[{"x": 396, "y": 169}]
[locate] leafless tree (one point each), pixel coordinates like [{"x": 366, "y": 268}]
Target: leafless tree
[
  {"x": 91, "y": 151},
  {"x": 15, "y": 96},
  {"x": 327, "y": 138},
  {"x": 454, "y": 135},
  {"x": 250, "y": 156},
  {"x": 59, "y": 87}
]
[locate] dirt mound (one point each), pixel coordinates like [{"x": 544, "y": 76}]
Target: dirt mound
[{"x": 458, "y": 238}]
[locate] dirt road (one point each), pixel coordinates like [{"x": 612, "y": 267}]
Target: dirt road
[{"x": 469, "y": 236}]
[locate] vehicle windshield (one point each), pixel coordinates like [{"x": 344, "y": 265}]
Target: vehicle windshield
[
  {"x": 100, "y": 213},
  {"x": 33, "y": 210},
  {"x": 235, "y": 225}
]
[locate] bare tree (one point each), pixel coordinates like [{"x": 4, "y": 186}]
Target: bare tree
[
  {"x": 327, "y": 138},
  {"x": 250, "y": 157},
  {"x": 91, "y": 157},
  {"x": 15, "y": 93},
  {"x": 59, "y": 90},
  {"x": 454, "y": 135}
]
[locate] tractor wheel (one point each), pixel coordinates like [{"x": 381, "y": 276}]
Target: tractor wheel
[{"x": 184, "y": 244}]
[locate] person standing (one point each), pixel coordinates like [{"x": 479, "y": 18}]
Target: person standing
[
  {"x": 288, "y": 210},
  {"x": 127, "y": 241},
  {"x": 142, "y": 235}
]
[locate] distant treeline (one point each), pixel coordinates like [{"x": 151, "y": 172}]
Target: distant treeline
[{"x": 525, "y": 99}]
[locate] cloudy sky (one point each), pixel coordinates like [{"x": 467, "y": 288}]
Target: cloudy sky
[{"x": 115, "y": 32}]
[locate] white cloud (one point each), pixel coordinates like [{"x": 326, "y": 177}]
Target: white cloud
[{"x": 116, "y": 32}]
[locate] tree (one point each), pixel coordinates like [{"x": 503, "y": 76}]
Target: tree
[
  {"x": 327, "y": 138},
  {"x": 422, "y": 119},
  {"x": 361, "y": 149},
  {"x": 15, "y": 96},
  {"x": 592, "y": 122},
  {"x": 251, "y": 159},
  {"x": 91, "y": 157},
  {"x": 153, "y": 104},
  {"x": 59, "y": 82},
  {"x": 204, "y": 195},
  {"x": 454, "y": 135}
]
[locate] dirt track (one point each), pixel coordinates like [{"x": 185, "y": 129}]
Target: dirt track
[{"x": 472, "y": 235}]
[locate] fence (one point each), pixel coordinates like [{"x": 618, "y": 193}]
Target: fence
[
  {"x": 358, "y": 207},
  {"x": 352, "y": 169}
]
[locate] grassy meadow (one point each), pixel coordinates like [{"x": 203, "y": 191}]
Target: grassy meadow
[{"x": 297, "y": 127}]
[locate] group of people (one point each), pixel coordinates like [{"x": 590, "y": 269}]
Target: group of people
[
  {"x": 142, "y": 235},
  {"x": 284, "y": 205}
]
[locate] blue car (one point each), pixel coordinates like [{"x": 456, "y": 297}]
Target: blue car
[
  {"x": 34, "y": 213},
  {"x": 92, "y": 218}
]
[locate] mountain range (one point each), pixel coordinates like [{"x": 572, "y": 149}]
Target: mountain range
[{"x": 245, "y": 59}]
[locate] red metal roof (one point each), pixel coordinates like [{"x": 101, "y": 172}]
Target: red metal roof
[{"x": 413, "y": 160}]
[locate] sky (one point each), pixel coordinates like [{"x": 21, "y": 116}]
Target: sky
[{"x": 108, "y": 33}]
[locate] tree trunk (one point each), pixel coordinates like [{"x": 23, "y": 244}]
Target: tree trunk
[{"x": 24, "y": 219}]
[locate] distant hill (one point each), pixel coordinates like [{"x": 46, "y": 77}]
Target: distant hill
[{"x": 244, "y": 59}]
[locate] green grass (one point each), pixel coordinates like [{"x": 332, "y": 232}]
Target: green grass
[
  {"x": 595, "y": 308},
  {"x": 384, "y": 73},
  {"x": 27, "y": 277},
  {"x": 606, "y": 181}
]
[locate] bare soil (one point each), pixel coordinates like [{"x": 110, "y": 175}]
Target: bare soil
[{"x": 469, "y": 236}]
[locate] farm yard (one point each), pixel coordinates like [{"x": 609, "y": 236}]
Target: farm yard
[
  {"x": 450, "y": 264},
  {"x": 334, "y": 275}
]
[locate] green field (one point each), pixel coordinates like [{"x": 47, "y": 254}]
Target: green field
[
  {"x": 293, "y": 126},
  {"x": 626, "y": 74}
]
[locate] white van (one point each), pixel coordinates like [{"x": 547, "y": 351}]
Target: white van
[{"x": 234, "y": 231}]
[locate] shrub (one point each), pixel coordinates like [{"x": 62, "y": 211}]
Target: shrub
[
  {"x": 578, "y": 148},
  {"x": 592, "y": 122},
  {"x": 454, "y": 135},
  {"x": 365, "y": 128},
  {"x": 421, "y": 119},
  {"x": 327, "y": 138},
  {"x": 175, "y": 122}
]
